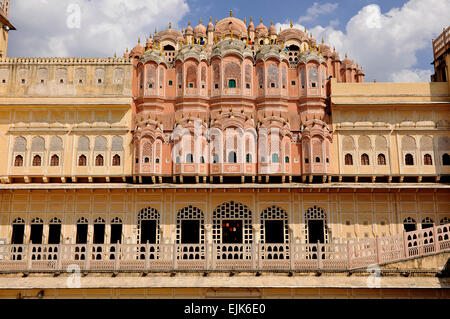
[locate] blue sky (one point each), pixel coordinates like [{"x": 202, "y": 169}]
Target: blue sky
[{"x": 390, "y": 39}]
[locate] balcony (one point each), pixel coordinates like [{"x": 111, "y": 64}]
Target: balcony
[{"x": 224, "y": 257}]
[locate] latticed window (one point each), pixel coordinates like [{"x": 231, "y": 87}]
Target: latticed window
[
  {"x": 316, "y": 229},
  {"x": 427, "y": 160},
  {"x": 37, "y": 160},
  {"x": 275, "y": 158},
  {"x": 190, "y": 227},
  {"x": 148, "y": 226},
  {"x": 427, "y": 222},
  {"x": 54, "y": 161},
  {"x": 116, "y": 160},
  {"x": 409, "y": 224},
  {"x": 232, "y": 84},
  {"x": 381, "y": 159},
  {"x": 274, "y": 226},
  {"x": 348, "y": 159},
  {"x": 364, "y": 159},
  {"x": 232, "y": 158},
  {"x": 232, "y": 224},
  {"x": 18, "y": 161},
  {"x": 99, "y": 160},
  {"x": 82, "y": 161}
]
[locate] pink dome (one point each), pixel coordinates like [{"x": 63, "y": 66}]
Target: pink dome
[
  {"x": 272, "y": 29},
  {"x": 225, "y": 26},
  {"x": 261, "y": 30},
  {"x": 210, "y": 26},
  {"x": 200, "y": 30}
]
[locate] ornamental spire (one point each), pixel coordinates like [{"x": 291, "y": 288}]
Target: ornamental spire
[{"x": 231, "y": 13}]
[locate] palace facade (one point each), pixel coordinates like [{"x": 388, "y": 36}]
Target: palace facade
[{"x": 228, "y": 147}]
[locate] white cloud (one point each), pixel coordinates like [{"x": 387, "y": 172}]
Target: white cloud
[
  {"x": 411, "y": 76},
  {"x": 317, "y": 10},
  {"x": 45, "y": 28},
  {"x": 386, "y": 44}
]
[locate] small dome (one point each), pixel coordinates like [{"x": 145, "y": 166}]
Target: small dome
[
  {"x": 149, "y": 43},
  {"x": 189, "y": 30},
  {"x": 200, "y": 30},
  {"x": 272, "y": 29},
  {"x": 231, "y": 24},
  {"x": 251, "y": 26},
  {"x": 325, "y": 49},
  {"x": 261, "y": 30},
  {"x": 210, "y": 26},
  {"x": 138, "y": 50}
]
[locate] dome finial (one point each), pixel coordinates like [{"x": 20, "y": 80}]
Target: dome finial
[
  {"x": 292, "y": 24},
  {"x": 231, "y": 13},
  {"x": 156, "y": 31},
  {"x": 322, "y": 41},
  {"x": 245, "y": 20},
  {"x": 209, "y": 18},
  {"x": 251, "y": 19},
  {"x": 346, "y": 55},
  {"x": 189, "y": 23},
  {"x": 260, "y": 20},
  {"x": 215, "y": 20},
  {"x": 170, "y": 25},
  {"x": 200, "y": 20},
  {"x": 271, "y": 22},
  {"x": 139, "y": 40}
]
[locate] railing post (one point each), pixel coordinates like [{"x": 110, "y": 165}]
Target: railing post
[
  {"x": 207, "y": 259},
  {"x": 378, "y": 249},
  {"x": 348, "y": 255},
  {"x": 213, "y": 256},
  {"x": 319, "y": 257},
  {"x": 175, "y": 256},
  {"x": 405, "y": 244},
  {"x": 59, "y": 257},
  {"x": 28, "y": 256},
  {"x": 259, "y": 256},
  {"x": 147, "y": 257},
  {"x": 88, "y": 256},
  {"x": 435, "y": 239},
  {"x": 291, "y": 255}
]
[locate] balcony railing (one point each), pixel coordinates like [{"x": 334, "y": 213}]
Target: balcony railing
[{"x": 224, "y": 257}]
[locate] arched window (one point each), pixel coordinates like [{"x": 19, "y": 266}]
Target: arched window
[
  {"x": 18, "y": 232},
  {"x": 99, "y": 160},
  {"x": 202, "y": 160},
  {"x": 409, "y": 160},
  {"x": 36, "y": 231},
  {"x": 409, "y": 224},
  {"x": 446, "y": 159},
  {"x": 317, "y": 159},
  {"x": 232, "y": 83},
  {"x": 37, "y": 160},
  {"x": 444, "y": 221},
  {"x": 215, "y": 158},
  {"x": 427, "y": 222},
  {"x": 116, "y": 160},
  {"x": 148, "y": 227},
  {"x": 147, "y": 160},
  {"x": 82, "y": 161},
  {"x": 190, "y": 231},
  {"x": 116, "y": 231},
  {"x": 364, "y": 159},
  {"x": 427, "y": 160},
  {"x": 275, "y": 158},
  {"x": 381, "y": 159},
  {"x": 54, "y": 161},
  {"x": 18, "y": 161},
  {"x": 248, "y": 158},
  {"x": 189, "y": 158},
  {"x": 232, "y": 157},
  {"x": 54, "y": 231},
  {"x": 348, "y": 159},
  {"x": 286, "y": 159}
]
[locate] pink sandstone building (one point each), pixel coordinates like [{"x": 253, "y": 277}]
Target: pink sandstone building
[{"x": 225, "y": 148}]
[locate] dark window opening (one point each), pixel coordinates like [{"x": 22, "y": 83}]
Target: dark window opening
[
  {"x": 232, "y": 157},
  {"x": 327, "y": 160},
  {"x": 116, "y": 160},
  {"x": 307, "y": 160},
  {"x": 286, "y": 159},
  {"x": 274, "y": 232},
  {"x": 99, "y": 81},
  {"x": 190, "y": 231},
  {"x": 445, "y": 159},
  {"x": 313, "y": 84},
  {"x": 116, "y": 233},
  {"x": 37, "y": 160},
  {"x": 157, "y": 160},
  {"x": 191, "y": 85},
  {"x": 364, "y": 159},
  {"x": 232, "y": 232},
  {"x": 82, "y": 160},
  {"x": 148, "y": 232},
  {"x": 202, "y": 160},
  {"x": 150, "y": 86},
  {"x": 17, "y": 234},
  {"x": 170, "y": 82},
  {"x": 247, "y": 85},
  {"x": 427, "y": 225},
  {"x": 54, "y": 161},
  {"x": 427, "y": 160},
  {"x": 381, "y": 159},
  {"x": 409, "y": 227},
  {"x": 248, "y": 158},
  {"x": 82, "y": 232},
  {"x": 316, "y": 232},
  {"x": 293, "y": 83},
  {"x": 18, "y": 160},
  {"x": 99, "y": 160},
  {"x": 317, "y": 159},
  {"x": 348, "y": 159},
  {"x": 54, "y": 234},
  {"x": 409, "y": 160},
  {"x": 216, "y": 86},
  {"x": 189, "y": 158},
  {"x": 36, "y": 233},
  {"x": 99, "y": 234},
  {"x": 146, "y": 160},
  {"x": 232, "y": 83},
  {"x": 272, "y": 85},
  {"x": 137, "y": 160},
  {"x": 215, "y": 158}
]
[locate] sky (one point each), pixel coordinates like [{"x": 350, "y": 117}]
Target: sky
[{"x": 390, "y": 39}]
